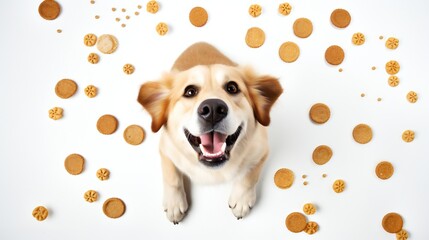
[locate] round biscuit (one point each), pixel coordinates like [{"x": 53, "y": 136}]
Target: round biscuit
[
  {"x": 289, "y": 52},
  {"x": 65, "y": 88},
  {"x": 255, "y": 37},
  {"x": 320, "y": 113},
  {"x": 334, "y": 55},
  {"x": 302, "y": 27},
  {"x": 384, "y": 170},
  {"x": 114, "y": 207},
  {"x": 284, "y": 178},
  {"x": 134, "y": 134},
  {"x": 296, "y": 222},
  {"x": 74, "y": 164},
  {"x": 392, "y": 222},
  {"x": 340, "y": 18},
  {"x": 322, "y": 154},
  {"x": 362, "y": 133},
  {"x": 49, "y": 9},
  {"x": 107, "y": 43},
  {"x": 198, "y": 16},
  {"x": 107, "y": 124}
]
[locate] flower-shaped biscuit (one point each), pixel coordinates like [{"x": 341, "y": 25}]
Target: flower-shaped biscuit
[
  {"x": 255, "y": 10},
  {"x": 56, "y": 113},
  {"x": 392, "y": 67},
  {"x": 309, "y": 209},
  {"x": 128, "y": 68},
  {"x": 93, "y": 58},
  {"x": 152, "y": 7},
  {"x": 89, "y": 39},
  {"x": 285, "y": 8},
  {"x": 402, "y": 235},
  {"x": 91, "y": 91},
  {"x": 412, "y": 97},
  {"x": 339, "y": 186},
  {"x": 162, "y": 28},
  {"x": 90, "y": 196},
  {"x": 103, "y": 174},
  {"x": 392, "y": 43},
  {"x": 311, "y": 227},
  {"x": 408, "y": 136},
  {"x": 40, "y": 213},
  {"x": 358, "y": 38},
  {"x": 393, "y": 81}
]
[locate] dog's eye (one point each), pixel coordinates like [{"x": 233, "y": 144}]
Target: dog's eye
[
  {"x": 190, "y": 91},
  {"x": 232, "y": 88}
]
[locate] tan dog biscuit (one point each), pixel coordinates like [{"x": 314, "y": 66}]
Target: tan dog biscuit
[
  {"x": 152, "y": 7},
  {"x": 74, "y": 164},
  {"x": 198, "y": 16},
  {"x": 65, "y": 88},
  {"x": 302, "y": 27},
  {"x": 392, "y": 43},
  {"x": 320, "y": 113},
  {"x": 49, "y": 9},
  {"x": 40, "y": 213},
  {"x": 311, "y": 228},
  {"x": 339, "y": 186},
  {"x": 107, "y": 124},
  {"x": 392, "y": 222},
  {"x": 91, "y": 91},
  {"x": 285, "y": 8},
  {"x": 359, "y": 39},
  {"x": 384, "y": 170},
  {"x": 340, "y": 18},
  {"x": 90, "y": 196},
  {"x": 103, "y": 174},
  {"x": 289, "y": 52},
  {"x": 114, "y": 207},
  {"x": 402, "y": 235},
  {"x": 107, "y": 44},
  {"x": 334, "y": 55},
  {"x": 128, "y": 69},
  {"x": 322, "y": 154},
  {"x": 392, "y": 67},
  {"x": 412, "y": 97},
  {"x": 134, "y": 134},
  {"x": 296, "y": 222},
  {"x": 90, "y": 39},
  {"x": 93, "y": 58},
  {"x": 309, "y": 209},
  {"x": 255, "y": 10},
  {"x": 393, "y": 81},
  {"x": 56, "y": 113},
  {"x": 408, "y": 135},
  {"x": 255, "y": 37},
  {"x": 162, "y": 28},
  {"x": 362, "y": 133},
  {"x": 284, "y": 178}
]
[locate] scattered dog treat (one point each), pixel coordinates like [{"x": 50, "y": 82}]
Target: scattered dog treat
[
  {"x": 309, "y": 209},
  {"x": 103, "y": 174},
  {"x": 304, "y": 176},
  {"x": 289, "y": 52},
  {"x": 285, "y": 8},
  {"x": 373, "y": 68},
  {"x": 152, "y": 7},
  {"x": 393, "y": 81},
  {"x": 59, "y": 31},
  {"x": 412, "y": 97},
  {"x": 305, "y": 183},
  {"x": 392, "y": 67},
  {"x": 134, "y": 134},
  {"x": 255, "y": 10},
  {"x": 128, "y": 69},
  {"x": 340, "y": 18},
  {"x": 334, "y": 55},
  {"x": 379, "y": 99},
  {"x": 93, "y": 58},
  {"x": 49, "y": 9},
  {"x": 97, "y": 17},
  {"x": 107, "y": 124},
  {"x": 408, "y": 136},
  {"x": 392, "y": 43},
  {"x": 123, "y": 10},
  {"x": 107, "y": 43},
  {"x": 89, "y": 39},
  {"x": 127, "y": 17},
  {"x": 123, "y": 25},
  {"x": 40, "y": 213},
  {"x": 139, "y": 6},
  {"x": 117, "y": 19},
  {"x": 65, "y": 88},
  {"x": 324, "y": 175},
  {"x": 302, "y": 27},
  {"x": 340, "y": 70},
  {"x": 136, "y": 13},
  {"x": 113, "y": 9},
  {"x": 320, "y": 113},
  {"x": 322, "y": 154},
  {"x": 56, "y": 113},
  {"x": 358, "y": 39},
  {"x": 362, "y": 94},
  {"x": 91, "y": 91},
  {"x": 90, "y": 196},
  {"x": 284, "y": 178},
  {"x": 114, "y": 207},
  {"x": 74, "y": 164},
  {"x": 311, "y": 228},
  {"x": 384, "y": 170},
  {"x": 362, "y": 133},
  {"x": 296, "y": 222},
  {"x": 162, "y": 28},
  {"x": 339, "y": 186},
  {"x": 392, "y": 222},
  {"x": 402, "y": 235},
  {"x": 92, "y": 2},
  {"x": 255, "y": 37},
  {"x": 198, "y": 16},
  {"x": 381, "y": 37}
]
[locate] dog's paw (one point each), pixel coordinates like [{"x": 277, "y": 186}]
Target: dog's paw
[
  {"x": 175, "y": 205},
  {"x": 241, "y": 202}
]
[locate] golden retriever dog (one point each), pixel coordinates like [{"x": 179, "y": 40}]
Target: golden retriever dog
[{"x": 213, "y": 115}]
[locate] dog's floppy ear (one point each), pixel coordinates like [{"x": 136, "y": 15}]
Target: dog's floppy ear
[
  {"x": 263, "y": 92},
  {"x": 154, "y": 96}
]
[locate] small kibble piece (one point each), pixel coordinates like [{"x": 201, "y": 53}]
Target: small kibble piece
[
  {"x": 92, "y": 2},
  {"x": 309, "y": 209},
  {"x": 255, "y": 10},
  {"x": 324, "y": 175},
  {"x": 408, "y": 136},
  {"x": 136, "y": 13},
  {"x": 107, "y": 43},
  {"x": 40, "y": 213},
  {"x": 91, "y": 91},
  {"x": 117, "y": 19},
  {"x": 402, "y": 235},
  {"x": 139, "y": 6},
  {"x": 49, "y": 9},
  {"x": 296, "y": 222},
  {"x": 358, "y": 38},
  {"x": 162, "y": 28},
  {"x": 59, "y": 31},
  {"x": 128, "y": 69},
  {"x": 381, "y": 37},
  {"x": 289, "y": 52},
  {"x": 65, "y": 88},
  {"x": 334, "y": 55},
  {"x": 74, "y": 164},
  {"x": 305, "y": 183},
  {"x": 93, "y": 58},
  {"x": 127, "y": 17},
  {"x": 304, "y": 176},
  {"x": 340, "y": 18},
  {"x": 114, "y": 207},
  {"x": 362, "y": 94},
  {"x": 89, "y": 39},
  {"x": 255, "y": 37},
  {"x": 393, "y": 81},
  {"x": 392, "y": 222},
  {"x": 123, "y": 10},
  {"x": 392, "y": 67},
  {"x": 56, "y": 113},
  {"x": 90, "y": 196},
  {"x": 107, "y": 124},
  {"x": 113, "y": 9},
  {"x": 392, "y": 43},
  {"x": 412, "y": 97},
  {"x": 134, "y": 134},
  {"x": 97, "y": 17},
  {"x": 152, "y": 7},
  {"x": 384, "y": 170},
  {"x": 302, "y": 27},
  {"x": 373, "y": 68},
  {"x": 322, "y": 154},
  {"x": 362, "y": 133},
  {"x": 339, "y": 186},
  {"x": 320, "y": 113},
  {"x": 284, "y": 178},
  {"x": 379, "y": 99},
  {"x": 103, "y": 174},
  {"x": 198, "y": 16},
  {"x": 123, "y": 25},
  {"x": 340, "y": 70},
  {"x": 285, "y": 8},
  {"x": 311, "y": 228}
]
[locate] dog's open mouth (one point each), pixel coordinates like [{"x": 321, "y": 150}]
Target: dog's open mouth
[{"x": 213, "y": 147}]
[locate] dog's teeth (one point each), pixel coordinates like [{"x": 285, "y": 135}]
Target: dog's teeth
[{"x": 223, "y": 147}]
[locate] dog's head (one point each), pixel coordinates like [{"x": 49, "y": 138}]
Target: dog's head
[{"x": 210, "y": 108}]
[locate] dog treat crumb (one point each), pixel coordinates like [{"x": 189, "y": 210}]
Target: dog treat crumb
[
  {"x": 123, "y": 10},
  {"x": 304, "y": 176},
  {"x": 74, "y": 164},
  {"x": 393, "y": 81},
  {"x": 412, "y": 97},
  {"x": 334, "y": 55},
  {"x": 59, "y": 31},
  {"x": 381, "y": 37},
  {"x": 56, "y": 113},
  {"x": 114, "y": 207},
  {"x": 392, "y": 222},
  {"x": 107, "y": 43},
  {"x": 127, "y": 17},
  {"x": 362, "y": 133},
  {"x": 285, "y": 8},
  {"x": 340, "y": 70},
  {"x": 296, "y": 222},
  {"x": 97, "y": 16},
  {"x": 255, "y": 10},
  {"x": 89, "y": 39},
  {"x": 384, "y": 170},
  {"x": 198, "y": 16},
  {"x": 402, "y": 235},
  {"x": 311, "y": 228},
  {"x": 302, "y": 27},
  {"x": 152, "y": 7},
  {"x": 392, "y": 67},
  {"x": 322, "y": 154},
  {"x": 379, "y": 99},
  {"x": 49, "y": 9},
  {"x": 358, "y": 38},
  {"x": 123, "y": 25},
  {"x": 339, "y": 186},
  {"x": 340, "y": 18},
  {"x": 392, "y": 43},
  {"x": 284, "y": 178},
  {"x": 107, "y": 124},
  {"x": 408, "y": 136},
  {"x": 136, "y": 13},
  {"x": 255, "y": 37},
  {"x": 320, "y": 113},
  {"x": 40, "y": 213},
  {"x": 92, "y": 2},
  {"x": 305, "y": 183},
  {"x": 90, "y": 196},
  {"x": 93, "y": 58},
  {"x": 162, "y": 28},
  {"x": 117, "y": 19},
  {"x": 289, "y": 52},
  {"x": 139, "y": 6},
  {"x": 309, "y": 209},
  {"x": 65, "y": 88},
  {"x": 91, "y": 91},
  {"x": 324, "y": 175},
  {"x": 373, "y": 68},
  {"x": 113, "y": 9},
  {"x": 103, "y": 174},
  {"x": 128, "y": 68},
  {"x": 362, "y": 94},
  {"x": 134, "y": 134}
]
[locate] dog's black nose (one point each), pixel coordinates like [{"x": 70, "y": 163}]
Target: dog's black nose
[{"x": 213, "y": 110}]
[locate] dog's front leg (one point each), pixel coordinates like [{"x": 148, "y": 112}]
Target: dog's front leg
[
  {"x": 175, "y": 203},
  {"x": 243, "y": 194}
]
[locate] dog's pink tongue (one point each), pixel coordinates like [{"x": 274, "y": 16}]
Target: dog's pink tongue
[{"x": 213, "y": 141}]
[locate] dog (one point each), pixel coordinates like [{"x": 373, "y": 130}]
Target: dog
[{"x": 213, "y": 114}]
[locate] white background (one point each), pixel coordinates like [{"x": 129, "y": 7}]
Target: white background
[{"x": 34, "y": 57}]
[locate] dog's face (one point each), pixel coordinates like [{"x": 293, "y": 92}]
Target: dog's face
[{"x": 208, "y": 110}]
